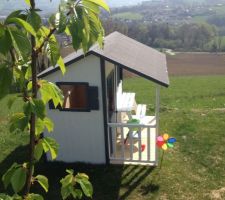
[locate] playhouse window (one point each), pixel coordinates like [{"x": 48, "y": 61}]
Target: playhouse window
[{"x": 77, "y": 97}]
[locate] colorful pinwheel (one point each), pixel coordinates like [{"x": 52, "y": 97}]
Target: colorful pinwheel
[{"x": 164, "y": 142}]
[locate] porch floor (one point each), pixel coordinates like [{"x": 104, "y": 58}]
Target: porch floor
[{"x": 141, "y": 155}]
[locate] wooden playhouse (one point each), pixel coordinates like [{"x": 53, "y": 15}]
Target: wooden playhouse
[{"x": 99, "y": 122}]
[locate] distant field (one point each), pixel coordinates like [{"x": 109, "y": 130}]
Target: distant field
[
  {"x": 186, "y": 64},
  {"x": 220, "y": 10},
  {"x": 196, "y": 64},
  {"x": 200, "y": 19}
]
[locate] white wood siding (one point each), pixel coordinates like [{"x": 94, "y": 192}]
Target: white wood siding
[{"x": 80, "y": 134}]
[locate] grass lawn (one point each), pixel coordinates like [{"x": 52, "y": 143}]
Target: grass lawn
[{"x": 192, "y": 110}]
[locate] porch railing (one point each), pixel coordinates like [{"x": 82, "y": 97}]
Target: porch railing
[{"x": 124, "y": 147}]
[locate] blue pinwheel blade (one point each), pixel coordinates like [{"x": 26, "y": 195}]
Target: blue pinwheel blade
[{"x": 172, "y": 140}]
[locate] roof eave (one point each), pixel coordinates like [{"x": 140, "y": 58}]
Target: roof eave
[
  {"x": 131, "y": 70},
  {"x": 92, "y": 52}
]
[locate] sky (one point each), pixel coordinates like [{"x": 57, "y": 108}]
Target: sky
[{"x": 8, "y": 5}]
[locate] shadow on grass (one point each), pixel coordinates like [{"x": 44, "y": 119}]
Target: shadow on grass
[
  {"x": 106, "y": 180},
  {"x": 136, "y": 179}
]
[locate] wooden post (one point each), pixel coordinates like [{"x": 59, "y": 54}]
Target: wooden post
[
  {"x": 148, "y": 143},
  {"x": 157, "y": 107},
  {"x": 122, "y": 142}
]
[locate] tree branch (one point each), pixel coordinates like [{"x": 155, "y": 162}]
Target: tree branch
[
  {"x": 46, "y": 40},
  {"x": 12, "y": 56},
  {"x": 52, "y": 31}
]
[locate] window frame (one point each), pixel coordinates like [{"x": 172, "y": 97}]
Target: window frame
[{"x": 88, "y": 109}]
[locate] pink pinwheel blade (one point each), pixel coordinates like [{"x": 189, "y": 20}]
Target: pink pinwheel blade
[{"x": 160, "y": 138}]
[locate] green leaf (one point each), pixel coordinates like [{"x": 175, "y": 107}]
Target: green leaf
[
  {"x": 69, "y": 183},
  {"x": 85, "y": 26},
  {"x": 6, "y": 42},
  {"x": 49, "y": 144},
  {"x": 40, "y": 126},
  {"x": 38, "y": 151},
  {"x": 91, "y": 6},
  {"x": 2, "y": 30},
  {"x": 27, "y": 108},
  {"x": 75, "y": 31},
  {"x": 22, "y": 23},
  {"x": 28, "y": 73},
  {"x": 60, "y": 22},
  {"x": 29, "y": 86},
  {"x": 61, "y": 64},
  {"x": 38, "y": 107},
  {"x": 49, "y": 91},
  {"x": 51, "y": 20},
  {"x": 18, "y": 121},
  {"x": 5, "y": 197},
  {"x": 6, "y": 77},
  {"x": 85, "y": 184},
  {"x": 35, "y": 20},
  {"x": 6, "y": 178},
  {"x": 68, "y": 179},
  {"x": 77, "y": 193},
  {"x": 67, "y": 31},
  {"x": 100, "y": 3},
  {"x": 42, "y": 34},
  {"x": 66, "y": 192},
  {"x": 13, "y": 14},
  {"x": 18, "y": 179},
  {"x": 17, "y": 197},
  {"x": 34, "y": 197},
  {"x": 70, "y": 171},
  {"x": 21, "y": 43},
  {"x": 53, "y": 52},
  {"x": 48, "y": 124},
  {"x": 27, "y": 2},
  {"x": 43, "y": 181}
]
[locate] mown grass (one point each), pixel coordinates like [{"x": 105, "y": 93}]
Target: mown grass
[{"x": 192, "y": 110}]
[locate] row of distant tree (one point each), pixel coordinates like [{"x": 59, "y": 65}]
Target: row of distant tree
[{"x": 184, "y": 37}]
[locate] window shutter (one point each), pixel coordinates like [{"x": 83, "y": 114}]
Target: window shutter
[
  {"x": 51, "y": 105},
  {"x": 93, "y": 98}
]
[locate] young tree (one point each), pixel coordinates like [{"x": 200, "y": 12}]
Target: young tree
[{"x": 23, "y": 38}]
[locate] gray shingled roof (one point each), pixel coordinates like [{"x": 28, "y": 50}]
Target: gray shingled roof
[{"x": 126, "y": 53}]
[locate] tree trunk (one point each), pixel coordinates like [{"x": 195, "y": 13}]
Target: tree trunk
[{"x": 32, "y": 119}]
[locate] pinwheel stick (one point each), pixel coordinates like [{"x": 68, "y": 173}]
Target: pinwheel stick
[{"x": 160, "y": 165}]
